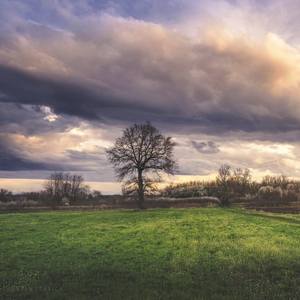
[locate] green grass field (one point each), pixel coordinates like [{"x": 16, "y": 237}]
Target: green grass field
[{"x": 207, "y": 253}]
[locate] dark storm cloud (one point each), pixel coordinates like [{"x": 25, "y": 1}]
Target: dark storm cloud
[
  {"x": 116, "y": 70},
  {"x": 71, "y": 98},
  {"x": 12, "y": 160},
  {"x": 76, "y": 99},
  {"x": 16, "y": 118},
  {"x": 111, "y": 71},
  {"x": 147, "y": 90},
  {"x": 21, "y": 87}
]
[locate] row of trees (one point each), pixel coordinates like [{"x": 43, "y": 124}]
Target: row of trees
[
  {"x": 230, "y": 182},
  {"x": 69, "y": 188},
  {"x": 59, "y": 188},
  {"x": 236, "y": 184}
]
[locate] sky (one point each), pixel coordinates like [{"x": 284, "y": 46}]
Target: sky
[{"x": 220, "y": 77}]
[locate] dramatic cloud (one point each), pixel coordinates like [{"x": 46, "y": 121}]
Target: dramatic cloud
[
  {"x": 218, "y": 83},
  {"x": 217, "y": 77}
]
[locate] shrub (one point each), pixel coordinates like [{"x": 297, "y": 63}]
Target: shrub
[
  {"x": 276, "y": 181},
  {"x": 5, "y": 195},
  {"x": 290, "y": 194},
  {"x": 18, "y": 204},
  {"x": 270, "y": 194},
  {"x": 185, "y": 190}
]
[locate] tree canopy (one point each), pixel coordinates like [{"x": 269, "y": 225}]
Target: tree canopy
[{"x": 142, "y": 149}]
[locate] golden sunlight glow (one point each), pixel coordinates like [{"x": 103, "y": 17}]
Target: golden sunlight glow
[{"x": 279, "y": 149}]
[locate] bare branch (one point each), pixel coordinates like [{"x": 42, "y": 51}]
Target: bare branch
[{"x": 142, "y": 148}]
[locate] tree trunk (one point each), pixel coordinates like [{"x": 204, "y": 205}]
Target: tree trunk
[{"x": 140, "y": 189}]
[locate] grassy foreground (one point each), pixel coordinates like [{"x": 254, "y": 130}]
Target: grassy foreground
[{"x": 207, "y": 253}]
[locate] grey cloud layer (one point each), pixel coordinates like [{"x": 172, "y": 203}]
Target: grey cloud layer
[
  {"x": 115, "y": 71},
  {"x": 129, "y": 70},
  {"x": 13, "y": 160}
]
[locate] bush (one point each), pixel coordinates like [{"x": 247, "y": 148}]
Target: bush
[
  {"x": 291, "y": 194},
  {"x": 186, "y": 190},
  {"x": 18, "y": 204},
  {"x": 270, "y": 194},
  {"x": 5, "y": 195}
]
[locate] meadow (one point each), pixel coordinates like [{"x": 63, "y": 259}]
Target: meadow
[{"x": 201, "y": 253}]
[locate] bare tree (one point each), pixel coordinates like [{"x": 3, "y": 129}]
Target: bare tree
[
  {"x": 61, "y": 185},
  {"x": 5, "y": 195},
  {"x": 223, "y": 181},
  {"x": 276, "y": 181},
  {"x": 142, "y": 149},
  {"x": 76, "y": 186},
  {"x": 54, "y": 187},
  {"x": 241, "y": 181},
  {"x": 233, "y": 182}
]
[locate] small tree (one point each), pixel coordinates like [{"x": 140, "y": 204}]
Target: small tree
[
  {"x": 276, "y": 181},
  {"x": 60, "y": 185},
  {"x": 224, "y": 183},
  {"x": 5, "y": 195},
  {"x": 142, "y": 149},
  {"x": 241, "y": 181}
]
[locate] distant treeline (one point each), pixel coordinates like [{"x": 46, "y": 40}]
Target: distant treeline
[
  {"x": 59, "y": 189},
  {"x": 230, "y": 185}
]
